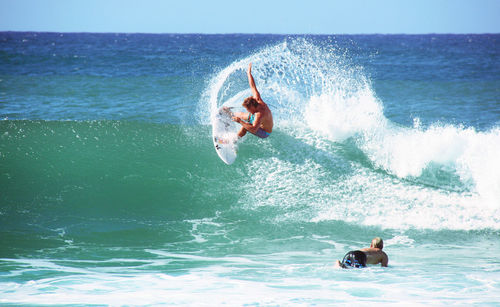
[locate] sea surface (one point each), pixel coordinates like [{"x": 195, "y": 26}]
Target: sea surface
[{"x": 111, "y": 192}]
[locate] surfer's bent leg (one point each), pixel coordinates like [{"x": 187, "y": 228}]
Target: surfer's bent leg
[
  {"x": 262, "y": 133},
  {"x": 242, "y": 132}
]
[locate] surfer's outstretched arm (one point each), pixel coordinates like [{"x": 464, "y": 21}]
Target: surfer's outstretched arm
[{"x": 251, "y": 82}]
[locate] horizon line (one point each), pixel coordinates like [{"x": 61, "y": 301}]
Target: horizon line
[{"x": 246, "y": 33}]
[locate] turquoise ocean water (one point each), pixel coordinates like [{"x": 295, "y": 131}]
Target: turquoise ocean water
[{"x": 111, "y": 192}]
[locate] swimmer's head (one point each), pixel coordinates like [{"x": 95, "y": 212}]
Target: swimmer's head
[{"x": 377, "y": 243}]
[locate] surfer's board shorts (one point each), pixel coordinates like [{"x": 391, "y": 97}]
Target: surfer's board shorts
[
  {"x": 261, "y": 132},
  {"x": 354, "y": 259}
]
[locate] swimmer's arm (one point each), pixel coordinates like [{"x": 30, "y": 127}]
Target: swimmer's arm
[
  {"x": 385, "y": 260},
  {"x": 251, "y": 82},
  {"x": 340, "y": 265}
]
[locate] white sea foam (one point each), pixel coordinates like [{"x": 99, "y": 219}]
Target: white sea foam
[
  {"x": 292, "y": 279},
  {"x": 408, "y": 151},
  {"x": 340, "y": 118},
  {"x": 309, "y": 192}
]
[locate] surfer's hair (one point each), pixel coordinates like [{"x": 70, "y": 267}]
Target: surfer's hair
[
  {"x": 378, "y": 243},
  {"x": 250, "y": 102}
]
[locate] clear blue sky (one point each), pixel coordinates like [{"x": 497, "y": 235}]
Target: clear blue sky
[{"x": 252, "y": 16}]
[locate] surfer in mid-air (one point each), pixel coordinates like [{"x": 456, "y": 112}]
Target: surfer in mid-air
[{"x": 259, "y": 119}]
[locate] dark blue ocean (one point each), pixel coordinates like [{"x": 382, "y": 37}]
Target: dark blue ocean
[{"x": 111, "y": 192}]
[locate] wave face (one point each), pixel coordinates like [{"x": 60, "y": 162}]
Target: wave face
[{"x": 111, "y": 191}]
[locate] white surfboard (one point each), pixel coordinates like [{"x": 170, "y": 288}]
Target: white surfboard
[{"x": 225, "y": 136}]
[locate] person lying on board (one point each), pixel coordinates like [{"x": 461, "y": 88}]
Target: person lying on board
[
  {"x": 259, "y": 119},
  {"x": 364, "y": 256}
]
